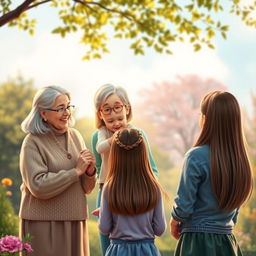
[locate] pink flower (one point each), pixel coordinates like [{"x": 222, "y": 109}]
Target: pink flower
[
  {"x": 27, "y": 247},
  {"x": 10, "y": 244}
]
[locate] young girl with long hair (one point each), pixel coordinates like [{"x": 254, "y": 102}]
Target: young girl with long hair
[
  {"x": 113, "y": 112},
  {"x": 132, "y": 211},
  {"x": 216, "y": 180}
]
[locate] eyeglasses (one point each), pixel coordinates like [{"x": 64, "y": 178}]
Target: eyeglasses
[
  {"x": 62, "y": 110},
  {"x": 108, "y": 110}
]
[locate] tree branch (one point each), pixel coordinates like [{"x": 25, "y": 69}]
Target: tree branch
[
  {"x": 35, "y": 5},
  {"x": 129, "y": 17},
  {"x": 14, "y": 14}
]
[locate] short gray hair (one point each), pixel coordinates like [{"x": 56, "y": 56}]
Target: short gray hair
[
  {"x": 101, "y": 96},
  {"x": 43, "y": 99}
]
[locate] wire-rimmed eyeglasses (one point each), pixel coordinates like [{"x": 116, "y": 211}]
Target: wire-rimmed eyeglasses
[{"x": 62, "y": 110}]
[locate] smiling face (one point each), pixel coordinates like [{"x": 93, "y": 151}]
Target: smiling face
[
  {"x": 115, "y": 120},
  {"x": 58, "y": 120}
]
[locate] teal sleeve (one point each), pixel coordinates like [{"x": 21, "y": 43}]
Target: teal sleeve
[
  {"x": 96, "y": 154},
  {"x": 151, "y": 159}
]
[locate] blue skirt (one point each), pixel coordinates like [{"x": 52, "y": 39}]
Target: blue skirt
[{"x": 120, "y": 247}]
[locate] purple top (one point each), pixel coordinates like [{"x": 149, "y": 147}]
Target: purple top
[{"x": 142, "y": 226}]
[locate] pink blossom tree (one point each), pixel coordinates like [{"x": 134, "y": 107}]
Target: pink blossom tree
[
  {"x": 173, "y": 110},
  {"x": 251, "y": 129}
]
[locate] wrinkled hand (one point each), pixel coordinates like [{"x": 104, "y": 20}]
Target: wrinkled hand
[
  {"x": 84, "y": 160},
  {"x": 90, "y": 170},
  {"x": 175, "y": 228},
  {"x": 96, "y": 212}
]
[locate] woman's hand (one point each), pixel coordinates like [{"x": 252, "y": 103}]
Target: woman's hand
[
  {"x": 90, "y": 170},
  {"x": 84, "y": 160},
  {"x": 175, "y": 228},
  {"x": 96, "y": 212}
]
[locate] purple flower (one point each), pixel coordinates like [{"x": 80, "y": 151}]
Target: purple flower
[
  {"x": 10, "y": 244},
  {"x": 27, "y": 247}
]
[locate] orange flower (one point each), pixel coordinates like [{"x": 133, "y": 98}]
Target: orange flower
[{"x": 6, "y": 182}]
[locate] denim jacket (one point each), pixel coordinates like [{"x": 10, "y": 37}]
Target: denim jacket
[{"x": 196, "y": 206}]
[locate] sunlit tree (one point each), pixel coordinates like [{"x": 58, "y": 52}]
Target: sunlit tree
[
  {"x": 15, "y": 100},
  {"x": 145, "y": 23}
]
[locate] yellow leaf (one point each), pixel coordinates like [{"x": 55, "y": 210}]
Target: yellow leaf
[{"x": 197, "y": 47}]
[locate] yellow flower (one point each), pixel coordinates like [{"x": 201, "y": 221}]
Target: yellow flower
[{"x": 6, "y": 182}]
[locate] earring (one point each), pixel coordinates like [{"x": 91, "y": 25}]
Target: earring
[{"x": 45, "y": 119}]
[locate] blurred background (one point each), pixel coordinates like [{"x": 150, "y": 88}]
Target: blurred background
[{"x": 165, "y": 92}]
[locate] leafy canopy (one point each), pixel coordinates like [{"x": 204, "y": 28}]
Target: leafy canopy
[{"x": 146, "y": 23}]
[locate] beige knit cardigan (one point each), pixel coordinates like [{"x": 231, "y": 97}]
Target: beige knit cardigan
[{"x": 51, "y": 189}]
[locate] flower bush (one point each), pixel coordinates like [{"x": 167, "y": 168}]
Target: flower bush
[
  {"x": 9, "y": 221},
  {"x": 12, "y": 245}
]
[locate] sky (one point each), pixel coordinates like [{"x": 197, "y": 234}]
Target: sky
[{"x": 49, "y": 59}]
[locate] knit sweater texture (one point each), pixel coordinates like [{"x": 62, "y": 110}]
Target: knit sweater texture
[{"x": 51, "y": 190}]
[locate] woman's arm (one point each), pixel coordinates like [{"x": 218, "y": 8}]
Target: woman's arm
[
  {"x": 103, "y": 142},
  {"x": 42, "y": 183},
  {"x": 88, "y": 179},
  {"x": 95, "y": 152}
]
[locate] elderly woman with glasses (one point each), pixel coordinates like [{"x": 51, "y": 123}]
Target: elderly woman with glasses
[{"x": 57, "y": 171}]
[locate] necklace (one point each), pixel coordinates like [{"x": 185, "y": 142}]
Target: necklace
[{"x": 63, "y": 149}]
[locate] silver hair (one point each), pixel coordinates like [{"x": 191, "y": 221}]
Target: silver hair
[
  {"x": 43, "y": 99},
  {"x": 101, "y": 96}
]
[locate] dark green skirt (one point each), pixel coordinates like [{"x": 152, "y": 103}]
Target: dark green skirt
[{"x": 207, "y": 244}]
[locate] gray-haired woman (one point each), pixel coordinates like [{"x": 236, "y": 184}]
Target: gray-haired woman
[{"x": 57, "y": 171}]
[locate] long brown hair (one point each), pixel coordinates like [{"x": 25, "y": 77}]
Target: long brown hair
[
  {"x": 132, "y": 187},
  {"x": 231, "y": 173}
]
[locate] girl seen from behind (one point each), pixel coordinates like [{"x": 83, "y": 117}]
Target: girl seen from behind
[
  {"x": 216, "y": 180},
  {"x": 132, "y": 211},
  {"x": 113, "y": 112}
]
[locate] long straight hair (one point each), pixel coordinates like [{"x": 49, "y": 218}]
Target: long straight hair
[
  {"x": 231, "y": 173},
  {"x": 132, "y": 186}
]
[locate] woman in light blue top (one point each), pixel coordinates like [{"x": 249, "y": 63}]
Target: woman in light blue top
[
  {"x": 132, "y": 211},
  {"x": 216, "y": 180}
]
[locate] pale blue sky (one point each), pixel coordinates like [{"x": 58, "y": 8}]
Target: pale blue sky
[{"x": 48, "y": 59}]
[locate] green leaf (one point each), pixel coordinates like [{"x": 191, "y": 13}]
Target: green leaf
[
  {"x": 224, "y": 28},
  {"x": 223, "y": 34},
  {"x": 211, "y": 46}
]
